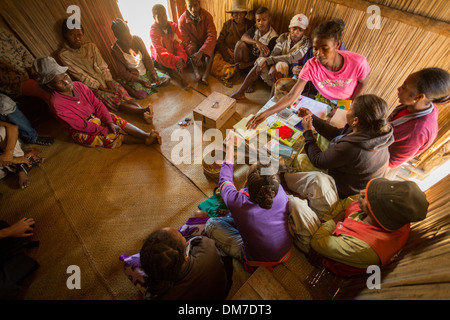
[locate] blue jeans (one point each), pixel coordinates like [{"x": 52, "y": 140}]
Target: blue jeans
[
  {"x": 26, "y": 133},
  {"x": 226, "y": 236}
]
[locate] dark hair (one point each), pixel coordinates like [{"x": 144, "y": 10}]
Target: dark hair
[
  {"x": 65, "y": 28},
  {"x": 156, "y": 8},
  {"x": 435, "y": 84},
  {"x": 328, "y": 30},
  {"x": 340, "y": 21},
  {"x": 118, "y": 27},
  {"x": 372, "y": 112},
  {"x": 262, "y": 189},
  {"x": 162, "y": 257},
  {"x": 261, "y": 10}
]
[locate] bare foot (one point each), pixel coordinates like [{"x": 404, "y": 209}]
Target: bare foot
[
  {"x": 24, "y": 181},
  {"x": 205, "y": 79},
  {"x": 148, "y": 117},
  {"x": 153, "y": 138},
  {"x": 238, "y": 96},
  {"x": 197, "y": 75}
]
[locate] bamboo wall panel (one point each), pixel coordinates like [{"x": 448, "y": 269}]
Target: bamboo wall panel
[{"x": 37, "y": 23}]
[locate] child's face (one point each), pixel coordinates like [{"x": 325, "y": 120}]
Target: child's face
[
  {"x": 263, "y": 21},
  {"x": 407, "y": 91},
  {"x": 325, "y": 50},
  {"x": 161, "y": 18}
]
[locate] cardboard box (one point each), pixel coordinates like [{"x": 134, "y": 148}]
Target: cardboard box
[{"x": 215, "y": 110}]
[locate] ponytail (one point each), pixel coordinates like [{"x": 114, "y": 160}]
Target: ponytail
[
  {"x": 262, "y": 189},
  {"x": 435, "y": 84}
]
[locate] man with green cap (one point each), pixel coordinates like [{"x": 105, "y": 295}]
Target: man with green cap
[{"x": 371, "y": 231}]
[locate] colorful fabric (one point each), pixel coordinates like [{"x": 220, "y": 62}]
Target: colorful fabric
[
  {"x": 13, "y": 64},
  {"x": 113, "y": 100},
  {"x": 222, "y": 69},
  {"x": 200, "y": 36},
  {"x": 338, "y": 85},
  {"x": 110, "y": 141}
]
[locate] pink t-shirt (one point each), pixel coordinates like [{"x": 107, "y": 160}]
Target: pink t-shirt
[{"x": 338, "y": 85}]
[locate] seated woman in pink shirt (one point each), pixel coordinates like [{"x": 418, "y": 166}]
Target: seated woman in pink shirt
[
  {"x": 337, "y": 75},
  {"x": 415, "y": 120},
  {"x": 86, "y": 118}
]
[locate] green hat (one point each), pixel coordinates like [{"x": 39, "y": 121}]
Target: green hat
[{"x": 395, "y": 203}]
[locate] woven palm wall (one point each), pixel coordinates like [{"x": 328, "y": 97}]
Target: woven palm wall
[{"x": 37, "y": 23}]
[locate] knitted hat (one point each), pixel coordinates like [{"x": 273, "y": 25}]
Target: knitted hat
[
  {"x": 47, "y": 69},
  {"x": 238, "y": 6},
  {"x": 299, "y": 20},
  {"x": 395, "y": 203}
]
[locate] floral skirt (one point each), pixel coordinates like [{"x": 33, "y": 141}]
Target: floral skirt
[
  {"x": 163, "y": 78},
  {"x": 113, "y": 100},
  {"x": 110, "y": 141}
]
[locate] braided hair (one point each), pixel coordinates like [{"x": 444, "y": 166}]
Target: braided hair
[
  {"x": 162, "y": 258},
  {"x": 373, "y": 113},
  {"x": 119, "y": 27},
  {"x": 328, "y": 30},
  {"x": 262, "y": 189},
  {"x": 435, "y": 84}
]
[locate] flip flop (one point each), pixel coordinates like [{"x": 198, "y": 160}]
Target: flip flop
[{"x": 44, "y": 141}]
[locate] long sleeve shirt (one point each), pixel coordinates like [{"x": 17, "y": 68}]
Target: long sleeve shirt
[
  {"x": 167, "y": 46},
  {"x": 200, "y": 36},
  {"x": 73, "y": 112},
  {"x": 264, "y": 232},
  {"x": 284, "y": 51},
  {"x": 86, "y": 65},
  {"x": 412, "y": 137},
  {"x": 353, "y": 158}
]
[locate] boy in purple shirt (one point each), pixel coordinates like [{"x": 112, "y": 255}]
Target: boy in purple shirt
[{"x": 256, "y": 231}]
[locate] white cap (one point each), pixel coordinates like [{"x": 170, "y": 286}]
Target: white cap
[{"x": 299, "y": 20}]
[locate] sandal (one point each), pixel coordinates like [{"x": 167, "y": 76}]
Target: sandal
[{"x": 44, "y": 141}]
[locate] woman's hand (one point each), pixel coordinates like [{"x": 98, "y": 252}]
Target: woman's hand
[
  {"x": 256, "y": 120},
  {"x": 114, "y": 128},
  {"x": 303, "y": 112},
  {"x": 307, "y": 122}
]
